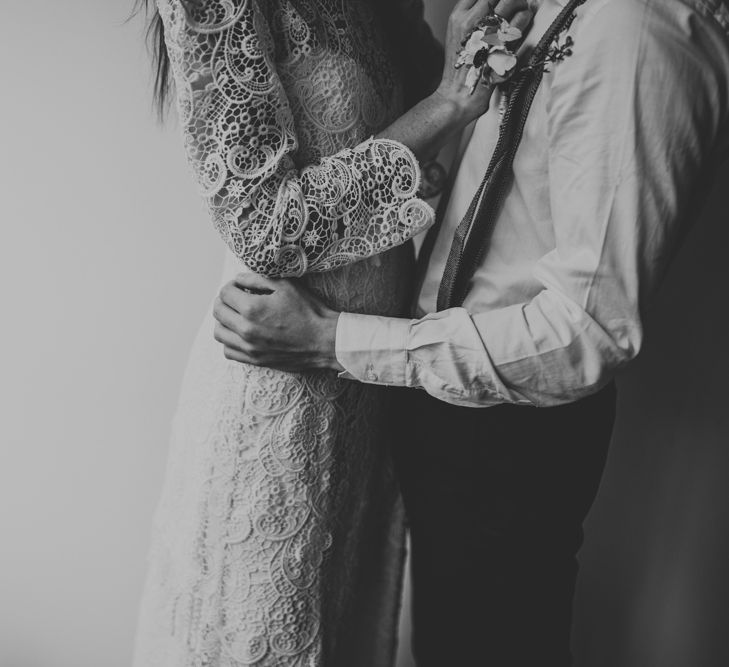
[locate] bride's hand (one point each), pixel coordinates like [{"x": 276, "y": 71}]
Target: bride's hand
[
  {"x": 464, "y": 18},
  {"x": 437, "y": 119}
]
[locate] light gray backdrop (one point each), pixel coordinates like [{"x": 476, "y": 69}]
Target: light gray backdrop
[{"x": 107, "y": 263}]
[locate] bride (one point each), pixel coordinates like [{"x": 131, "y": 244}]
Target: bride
[{"x": 278, "y": 539}]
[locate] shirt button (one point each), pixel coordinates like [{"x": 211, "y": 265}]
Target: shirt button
[{"x": 370, "y": 375}]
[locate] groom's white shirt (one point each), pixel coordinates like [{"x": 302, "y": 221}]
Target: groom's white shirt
[{"x": 621, "y": 140}]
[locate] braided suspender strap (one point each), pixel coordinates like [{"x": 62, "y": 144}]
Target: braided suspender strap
[{"x": 473, "y": 234}]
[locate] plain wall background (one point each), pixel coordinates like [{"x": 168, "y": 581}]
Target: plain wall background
[{"x": 107, "y": 264}]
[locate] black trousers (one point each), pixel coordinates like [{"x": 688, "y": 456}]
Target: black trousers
[{"x": 496, "y": 498}]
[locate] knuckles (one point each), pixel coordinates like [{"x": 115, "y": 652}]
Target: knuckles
[
  {"x": 250, "y": 311},
  {"x": 462, "y": 21},
  {"x": 227, "y": 291},
  {"x": 245, "y": 329},
  {"x": 252, "y": 352},
  {"x": 234, "y": 298}
]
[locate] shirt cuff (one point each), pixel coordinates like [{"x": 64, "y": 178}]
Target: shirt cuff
[{"x": 373, "y": 349}]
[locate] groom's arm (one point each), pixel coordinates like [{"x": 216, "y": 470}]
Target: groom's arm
[{"x": 633, "y": 134}]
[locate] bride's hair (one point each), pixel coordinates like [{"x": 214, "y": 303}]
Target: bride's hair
[
  {"x": 160, "y": 58},
  {"x": 155, "y": 34}
]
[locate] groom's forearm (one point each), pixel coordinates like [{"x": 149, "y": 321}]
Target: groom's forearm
[
  {"x": 436, "y": 353},
  {"x": 484, "y": 359}
]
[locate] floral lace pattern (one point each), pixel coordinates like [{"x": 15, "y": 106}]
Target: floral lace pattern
[
  {"x": 278, "y": 540},
  {"x": 278, "y": 537},
  {"x": 243, "y": 142}
]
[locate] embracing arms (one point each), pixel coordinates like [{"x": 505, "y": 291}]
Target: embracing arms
[{"x": 626, "y": 167}]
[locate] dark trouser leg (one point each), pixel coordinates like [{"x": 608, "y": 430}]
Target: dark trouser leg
[{"x": 496, "y": 498}]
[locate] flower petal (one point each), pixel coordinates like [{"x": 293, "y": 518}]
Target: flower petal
[
  {"x": 511, "y": 36},
  {"x": 464, "y": 58},
  {"x": 472, "y": 78},
  {"x": 508, "y": 33},
  {"x": 492, "y": 39},
  {"x": 474, "y": 42},
  {"x": 501, "y": 62}
]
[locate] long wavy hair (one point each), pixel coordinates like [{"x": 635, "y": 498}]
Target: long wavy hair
[{"x": 155, "y": 35}]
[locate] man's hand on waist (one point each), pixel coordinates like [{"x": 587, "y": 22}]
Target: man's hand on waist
[{"x": 275, "y": 323}]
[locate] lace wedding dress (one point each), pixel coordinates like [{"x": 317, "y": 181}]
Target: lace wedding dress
[{"x": 278, "y": 538}]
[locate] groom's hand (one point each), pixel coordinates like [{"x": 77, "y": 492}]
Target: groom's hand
[{"x": 275, "y": 323}]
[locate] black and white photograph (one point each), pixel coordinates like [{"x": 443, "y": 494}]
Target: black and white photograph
[{"x": 364, "y": 333}]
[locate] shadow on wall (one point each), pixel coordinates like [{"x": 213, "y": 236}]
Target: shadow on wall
[{"x": 654, "y": 589}]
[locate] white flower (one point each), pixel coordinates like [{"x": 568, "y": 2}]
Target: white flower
[
  {"x": 501, "y": 61},
  {"x": 508, "y": 33},
  {"x": 475, "y": 42},
  {"x": 472, "y": 47},
  {"x": 473, "y": 77},
  {"x": 489, "y": 46},
  {"x": 493, "y": 39}
]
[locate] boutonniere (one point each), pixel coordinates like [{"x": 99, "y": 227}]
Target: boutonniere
[{"x": 490, "y": 54}]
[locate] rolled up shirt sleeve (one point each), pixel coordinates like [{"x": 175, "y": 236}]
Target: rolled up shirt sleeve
[{"x": 634, "y": 135}]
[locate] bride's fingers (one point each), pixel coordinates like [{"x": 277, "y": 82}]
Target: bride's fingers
[
  {"x": 479, "y": 10},
  {"x": 467, "y": 13},
  {"x": 523, "y": 20},
  {"x": 509, "y": 9},
  {"x": 467, "y": 19},
  {"x": 482, "y": 8},
  {"x": 466, "y": 5}
]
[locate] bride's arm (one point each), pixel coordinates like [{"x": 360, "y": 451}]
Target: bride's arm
[{"x": 279, "y": 219}]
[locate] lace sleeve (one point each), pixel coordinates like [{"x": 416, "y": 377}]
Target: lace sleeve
[{"x": 280, "y": 220}]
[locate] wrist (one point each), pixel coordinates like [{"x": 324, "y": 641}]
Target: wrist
[{"x": 455, "y": 106}]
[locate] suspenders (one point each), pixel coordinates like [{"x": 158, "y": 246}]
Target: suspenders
[{"x": 473, "y": 234}]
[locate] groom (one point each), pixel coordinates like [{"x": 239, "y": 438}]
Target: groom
[{"x": 531, "y": 298}]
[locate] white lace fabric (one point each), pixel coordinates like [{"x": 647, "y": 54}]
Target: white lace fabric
[
  {"x": 278, "y": 539},
  {"x": 281, "y": 208}
]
